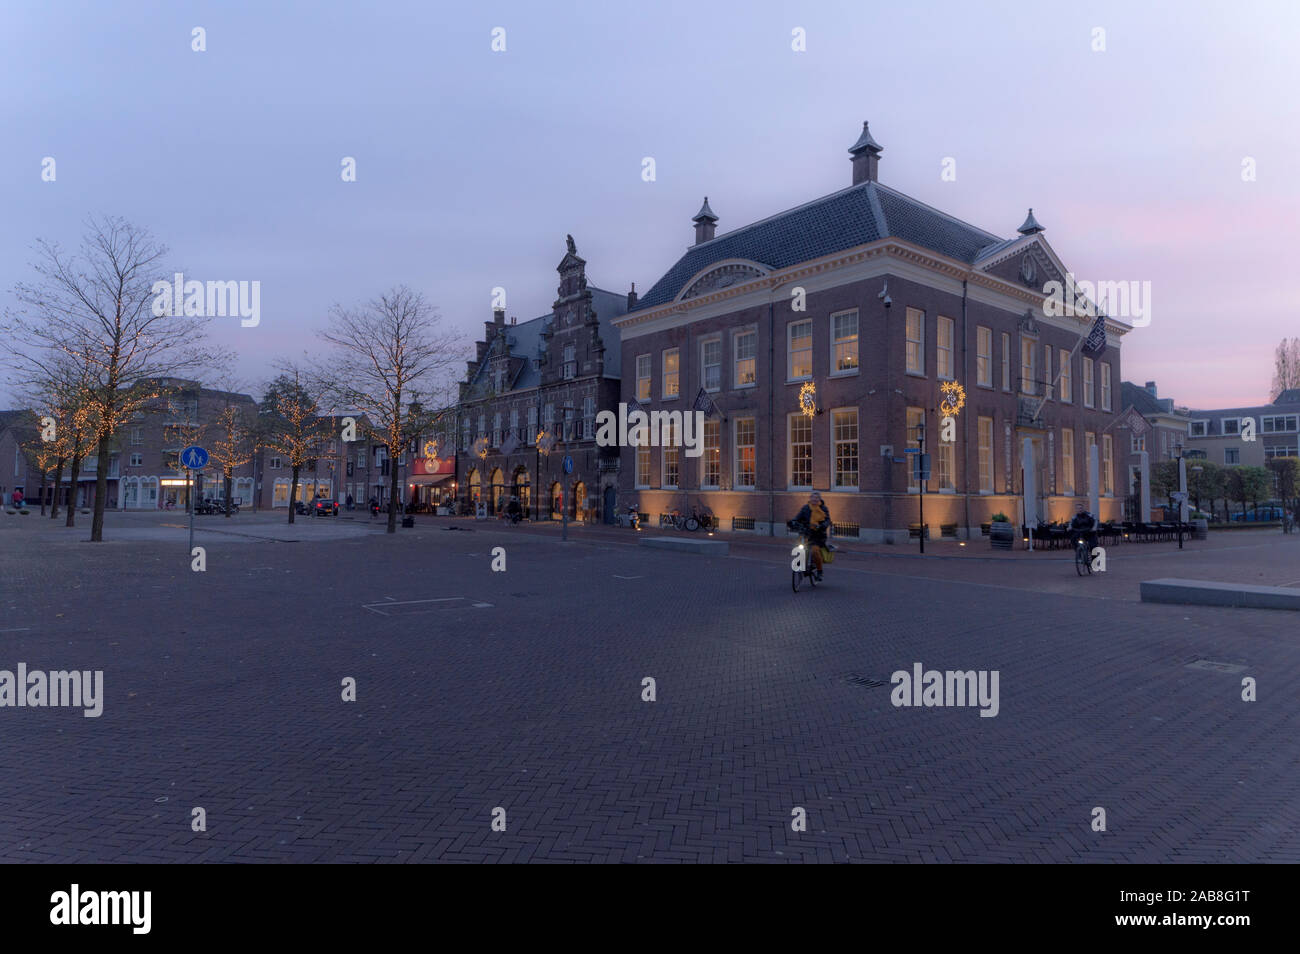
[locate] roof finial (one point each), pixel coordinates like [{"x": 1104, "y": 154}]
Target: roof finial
[{"x": 1031, "y": 225}]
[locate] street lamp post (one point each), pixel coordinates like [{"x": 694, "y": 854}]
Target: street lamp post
[
  {"x": 1182, "y": 490},
  {"x": 920, "y": 477}
]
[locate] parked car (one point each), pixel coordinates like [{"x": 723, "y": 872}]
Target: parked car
[
  {"x": 300, "y": 508},
  {"x": 327, "y": 507},
  {"x": 1263, "y": 513}
]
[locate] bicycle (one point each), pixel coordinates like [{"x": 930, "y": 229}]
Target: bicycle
[
  {"x": 1082, "y": 556},
  {"x": 802, "y": 550}
]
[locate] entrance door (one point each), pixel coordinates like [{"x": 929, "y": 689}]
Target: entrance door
[{"x": 611, "y": 496}]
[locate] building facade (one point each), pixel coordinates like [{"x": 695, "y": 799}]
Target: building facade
[
  {"x": 530, "y": 398},
  {"x": 825, "y": 337}
]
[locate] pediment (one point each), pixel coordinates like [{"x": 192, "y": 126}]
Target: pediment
[{"x": 721, "y": 275}]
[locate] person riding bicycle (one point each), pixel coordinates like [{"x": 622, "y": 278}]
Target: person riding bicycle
[
  {"x": 513, "y": 511},
  {"x": 817, "y": 518},
  {"x": 1085, "y": 524}
]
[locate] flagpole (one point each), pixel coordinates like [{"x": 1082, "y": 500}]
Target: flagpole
[{"x": 1060, "y": 370}]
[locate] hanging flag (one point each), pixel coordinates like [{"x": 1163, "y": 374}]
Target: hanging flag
[
  {"x": 705, "y": 403},
  {"x": 510, "y": 444},
  {"x": 1096, "y": 342},
  {"x": 634, "y": 405}
]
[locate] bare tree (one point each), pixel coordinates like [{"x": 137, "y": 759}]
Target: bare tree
[
  {"x": 1286, "y": 367},
  {"x": 388, "y": 351},
  {"x": 98, "y": 308},
  {"x": 290, "y": 422}
]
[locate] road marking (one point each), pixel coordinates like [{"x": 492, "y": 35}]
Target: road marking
[
  {"x": 17, "y": 629},
  {"x": 382, "y": 608},
  {"x": 617, "y": 577}
]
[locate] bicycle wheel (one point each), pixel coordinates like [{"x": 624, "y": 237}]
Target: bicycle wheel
[
  {"x": 692, "y": 524},
  {"x": 1080, "y": 561},
  {"x": 812, "y": 576},
  {"x": 795, "y": 576}
]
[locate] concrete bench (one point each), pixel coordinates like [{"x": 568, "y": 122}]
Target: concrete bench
[
  {"x": 688, "y": 545},
  {"x": 1211, "y": 593}
]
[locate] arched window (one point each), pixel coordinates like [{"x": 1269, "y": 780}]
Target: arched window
[
  {"x": 475, "y": 485},
  {"x": 557, "y": 500}
]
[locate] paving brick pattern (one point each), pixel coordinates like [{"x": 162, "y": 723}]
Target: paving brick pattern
[{"x": 223, "y": 691}]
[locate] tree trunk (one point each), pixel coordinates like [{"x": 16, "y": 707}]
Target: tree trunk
[
  {"x": 393, "y": 496},
  {"x": 226, "y": 480},
  {"x": 44, "y": 481},
  {"x": 58, "y": 485},
  {"x": 293, "y": 492},
  {"x": 72, "y": 489},
  {"x": 101, "y": 491}
]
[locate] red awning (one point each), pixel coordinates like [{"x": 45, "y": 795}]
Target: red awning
[{"x": 433, "y": 467}]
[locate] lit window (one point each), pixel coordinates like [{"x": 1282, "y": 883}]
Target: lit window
[
  {"x": 643, "y": 377},
  {"x": 671, "y": 456},
  {"x": 1066, "y": 385},
  {"x": 985, "y": 428},
  {"x": 1089, "y": 392},
  {"x": 844, "y": 433},
  {"x": 943, "y": 349},
  {"x": 712, "y": 460},
  {"x": 800, "y": 450},
  {"x": 643, "y": 466},
  {"x": 745, "y": 343},
  {"x": 800, "y": 350},
  {"x": 984, "y": 357},
  {"x": 672, "y": 367},
  {"x": 915, "y": 341},
  {"x": 1027, "y": 383},
  {"x": 844, "y": 343},
  {"x": 745, "y": 452},
  {"x": 1105, "y": 387}
]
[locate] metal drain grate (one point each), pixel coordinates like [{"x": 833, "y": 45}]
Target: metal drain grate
[{"x": 863, "y": 681}]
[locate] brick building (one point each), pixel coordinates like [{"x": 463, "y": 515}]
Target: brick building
[
  {"x": 874, "y": 300},
  {"x": 549, "y": 376}
]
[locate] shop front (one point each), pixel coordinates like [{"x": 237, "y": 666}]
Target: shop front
[{"x": 430, "y": 483}]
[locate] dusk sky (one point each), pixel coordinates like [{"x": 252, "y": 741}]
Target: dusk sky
[{"x": 472, "y": 165}]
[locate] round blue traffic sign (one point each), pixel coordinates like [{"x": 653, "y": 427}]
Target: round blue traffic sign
[
  {"x": 568, "y": 464},
  {"x": 194, "y": 457}
]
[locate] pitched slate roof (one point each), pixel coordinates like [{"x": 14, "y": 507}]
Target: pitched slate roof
[
  {"x": 1140, "y": 399},
  {"x": 1289, "y": 396},
  {"x": 524, "y": 340},
  {"x": 854, "y": 216}
]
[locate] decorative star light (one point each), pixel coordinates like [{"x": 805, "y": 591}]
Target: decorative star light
[
  {"x": 808, "y": 399},
  {"x": 430, "y": 448},
  {"x": 953, "y": 400},
  {"x": 481, "y": 447}
]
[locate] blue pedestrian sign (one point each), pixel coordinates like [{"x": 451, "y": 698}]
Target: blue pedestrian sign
[
  {"x": 194, "y": 457},
  {"x": 568, "y": 464}
]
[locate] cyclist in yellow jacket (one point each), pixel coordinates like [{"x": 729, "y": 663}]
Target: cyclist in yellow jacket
[{"x": 817, "y": 518}]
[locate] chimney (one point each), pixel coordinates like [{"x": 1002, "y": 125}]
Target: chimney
[
  {"x": 866, "y": 157},
  {"x": 705, "y": 223},
  {"x": 498, "y": 316},
  {"x": 1151, "y": 389},
  {"x": 631, "y": 298},
  {"x": 513, "y": 319}
]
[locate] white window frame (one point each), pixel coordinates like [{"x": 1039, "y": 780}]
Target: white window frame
[
  {"x": 1006, "y": 362},
  {"x": 712, "y": 456},
  {"x": 985, "y": 454},
  {"x": 1268, "y": 423},
  {"x": 137, "y": 460},
  {"x": 1047, "y": 372},
  {"x": 946, "y": 471},
  {"x": 275, "y": 464},
  {"x": 641, "y": 477},
  {"x": 532, "y": 425},
  {"x": 804, "y": 422},
  {"x": 676, "y": 377},
  {"x": 671, "y": 451},
  {"x": 705, "y": 343},
  {"x": 588, "y": 418},
  {"x": 914, "y": 345},
  {"x": 1029, "y": 370},
  {"x": 736, "y": 448},
  {"x": 790, "y": 352},
  {"x": 853, "y": 341},
  {"x": 570, "y": 369},
  {"x": 644, "y": 370},
  {"x": 1107, "y": 465},
  {"x": 1065, "y": 389},
  {"x": 1231, "y": 450},
  {"x": 983, "y": 356},
  {"x": 740, "y": 334},
  {"x": 1105, "y": 386},
  {"x": 1089, "y": 383},
  {"x": 1205, "y": 427},
  {"x": 1236, "y": 426},
  {"x": 1067, "y": 462},
  {"x": 856, "y": 440},
  {"x": 944, "y": 369}
]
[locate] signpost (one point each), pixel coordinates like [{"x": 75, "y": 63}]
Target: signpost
[{"x": 194, "y": 458}]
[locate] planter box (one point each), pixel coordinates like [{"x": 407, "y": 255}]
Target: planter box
[{"x": 1002, "y": 535}]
